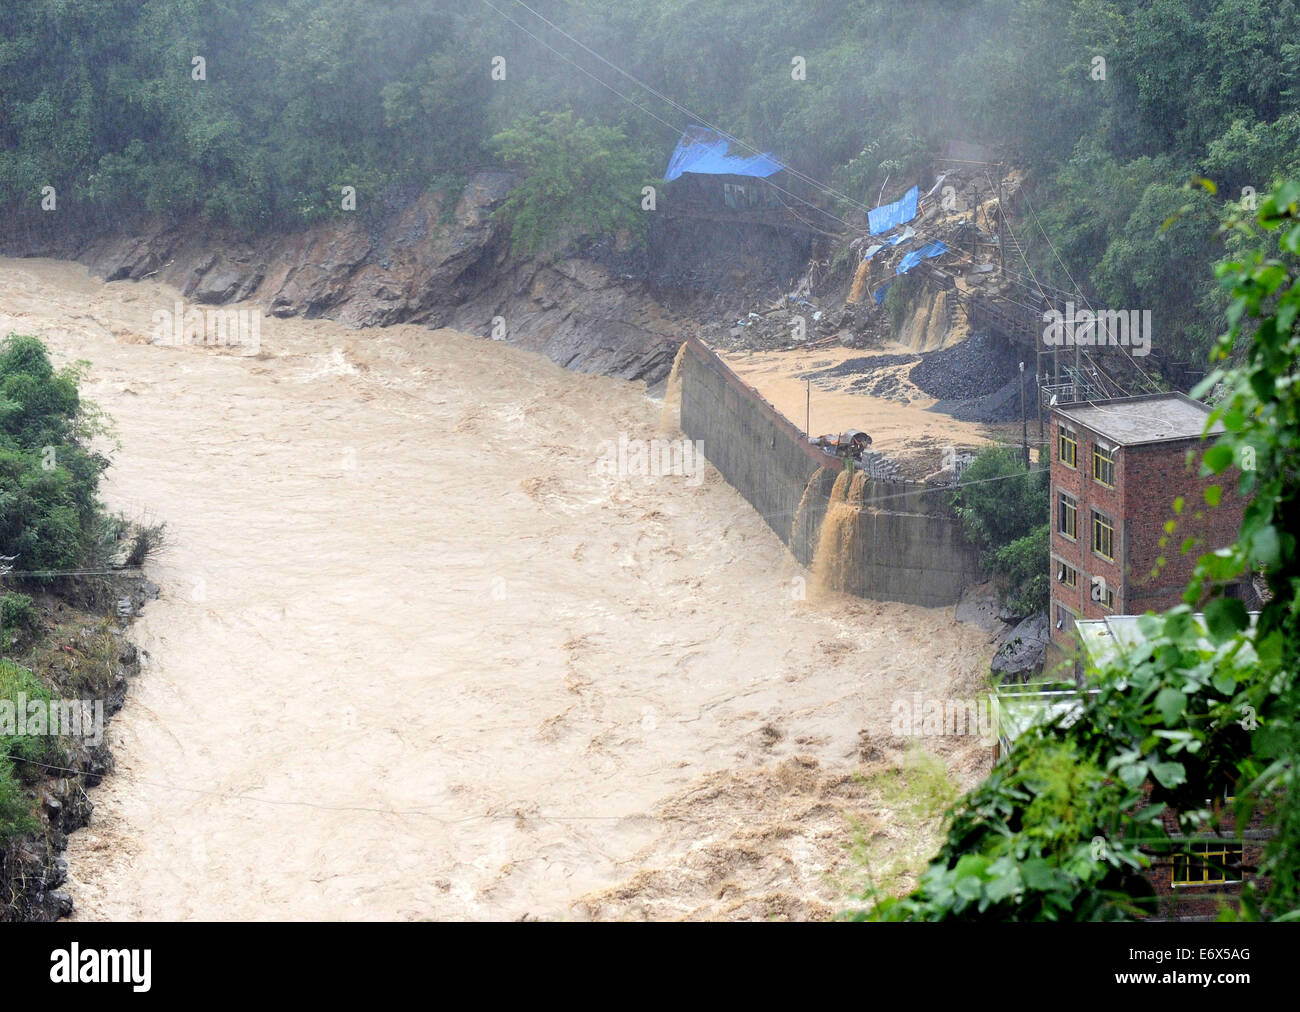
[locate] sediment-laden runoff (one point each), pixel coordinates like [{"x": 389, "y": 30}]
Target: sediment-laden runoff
[{"x": 418, "y": 655}]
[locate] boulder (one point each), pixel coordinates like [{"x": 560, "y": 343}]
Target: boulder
[{"x": 1021, "y": 651}]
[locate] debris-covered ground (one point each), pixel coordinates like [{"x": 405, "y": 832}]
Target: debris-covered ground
[{"x": 971, "y": 376}]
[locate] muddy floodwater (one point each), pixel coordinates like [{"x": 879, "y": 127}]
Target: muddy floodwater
[{"x": 416, "y": 655}]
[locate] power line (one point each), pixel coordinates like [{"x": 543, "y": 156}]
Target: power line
[
  {"x": 926, "y": 490},
  {"x": 803, "y": 177},
  {"x": 38, "y": 573},
  {"x": 676, "y": 130},
  {"x": 579, "y": 67},
  {"x": 684, "y": 110},
  {"x": 692, "y": 115}
]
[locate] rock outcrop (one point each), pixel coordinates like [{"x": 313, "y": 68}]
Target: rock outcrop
[
  {"x": 32, "y": 870},
  {"x": 1022, "y": 650},
  {"x": 437, "y": 259}
]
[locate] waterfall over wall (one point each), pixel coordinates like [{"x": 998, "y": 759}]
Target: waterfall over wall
[{"x": 892, "y": 540}]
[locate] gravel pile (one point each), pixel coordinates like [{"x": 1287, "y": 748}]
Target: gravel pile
[
  {"x": 976, "y": 367},
  {"x": 1001, "y": 406},
  {"x": 858, "y": 366}
]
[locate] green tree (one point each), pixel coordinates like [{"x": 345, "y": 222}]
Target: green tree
[
  {"x": 1147, "y": 266},
  {"x": 49, "y": 510},
  {"x": 579, "y": 179},
  {"x": 1003, "y": 510}
]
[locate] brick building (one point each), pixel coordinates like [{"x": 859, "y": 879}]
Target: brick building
[
  {"x": 1117, "y": 468},
  {"x": 1193, "y": 875}
]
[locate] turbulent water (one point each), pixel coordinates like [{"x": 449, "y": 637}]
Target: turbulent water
[{"x": 417, "y": 656}]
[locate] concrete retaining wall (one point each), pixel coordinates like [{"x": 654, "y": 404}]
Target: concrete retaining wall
[{"x": 908, "y": 547}]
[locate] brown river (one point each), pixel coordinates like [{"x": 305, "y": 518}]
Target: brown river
[{"x": 416, "y": 656}]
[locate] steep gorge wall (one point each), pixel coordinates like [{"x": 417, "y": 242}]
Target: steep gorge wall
[
  {"x": 438, "y": 259},
  {"x": 907, "y": 545}
]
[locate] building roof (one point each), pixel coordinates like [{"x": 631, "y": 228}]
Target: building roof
[
  {"x": 1151, "y": 418},
  {"x": 709, "y": 153},
  {"x": 1103, "y": 638},
  {"x": 1017, "y": 708}
]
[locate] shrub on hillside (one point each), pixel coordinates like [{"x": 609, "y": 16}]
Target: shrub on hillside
[
  {"x": 1003, "y": 509},
  {"x": 49, "y": 480}
]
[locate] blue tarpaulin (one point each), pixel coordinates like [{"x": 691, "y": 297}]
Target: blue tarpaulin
[
  {"x": 902, "y": 236},
  {"x": 879, "y": 294},
  {"x": 704, "y": 151},
  {"x": 930, "y": 249},
  {"x": 887, "y": 216}
]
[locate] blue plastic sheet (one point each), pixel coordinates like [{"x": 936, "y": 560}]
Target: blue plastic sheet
[
  {"x": 886, "y": 216},
  {"x": 704, "y": 151},
  {"x": 930, "y": 249},
  {"x": 879, "y": 294}
]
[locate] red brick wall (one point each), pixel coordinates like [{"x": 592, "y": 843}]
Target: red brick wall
[
  {"x": 1147, "y": 480},
  {"x": 1204, "y": 901},
  {"x": 1156, "y": 475},
  {"x": 1079, "y": 554}
]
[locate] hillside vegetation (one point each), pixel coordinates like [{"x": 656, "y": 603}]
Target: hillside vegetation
[
  {"x": 259, "y": 112},
  {"x": 1068, "y": 820}
]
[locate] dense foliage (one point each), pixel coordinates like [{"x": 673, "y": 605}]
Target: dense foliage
[
  {"x": 574, "y": 178},
  {"x": 1003, "y": 509},
  {"x": 50, "y": 517},
  {"x": 1065, "y": 823},
  {"x": 298, "y": 98},
  {"x": 22, "y": 756}
]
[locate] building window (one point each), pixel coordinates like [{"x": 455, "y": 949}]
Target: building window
[
  {"x": 1067, "y": 449},
  {"x": 1208, "y": 864},
  {"x": 1064, "y": 619},
  {"x": 1102, "y": 593},
  {"x": 1103, "y": 536},
  {"x": 1066, "y": 576},
  {"x": 1103, "y": 466},
  {"x": 1068, "y": 516}
]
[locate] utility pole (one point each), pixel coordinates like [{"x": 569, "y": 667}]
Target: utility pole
[
  {"x": 1038, "y": 391},
  {"x": 807, "y": 411},
  {"x": 1002, "y": 227},
  {"x": 1024, "y": 423},
  {"x": 5, "y": 569},
  {"x": 1078, "y": 369},
  {"x": 1038, "y": 374}
]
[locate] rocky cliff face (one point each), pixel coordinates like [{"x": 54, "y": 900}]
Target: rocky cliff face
[
  {"x": 430, "y": 261},
  {"x": 94, "y": 663}
]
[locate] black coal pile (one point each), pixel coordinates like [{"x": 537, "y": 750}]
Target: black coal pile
[
  {"x": 1000, "y": 406},
  {"x": 976, "y": 367},
  {"x": 858, "y": 366}
]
